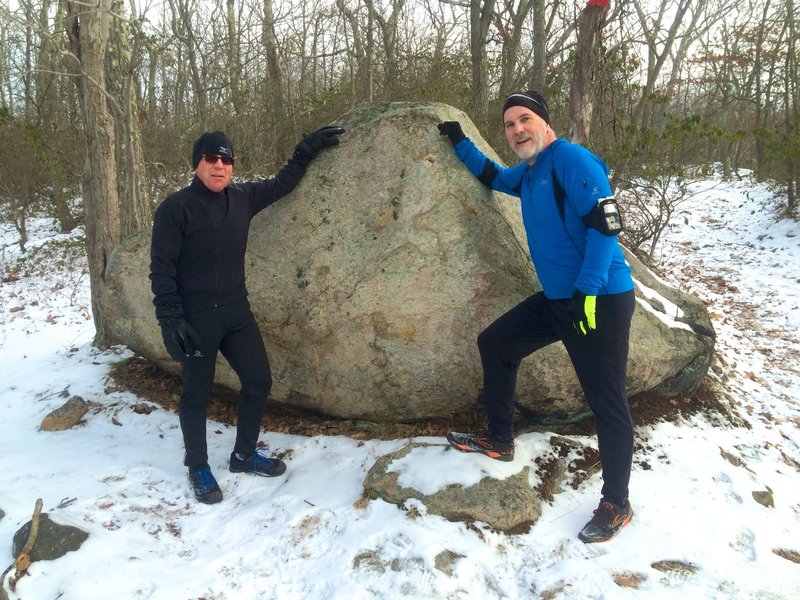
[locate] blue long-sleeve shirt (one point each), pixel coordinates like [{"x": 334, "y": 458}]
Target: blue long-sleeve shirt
[{"x": 567, "y": 255}]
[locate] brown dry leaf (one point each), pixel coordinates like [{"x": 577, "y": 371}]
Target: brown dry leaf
[
  {"x": 629, "y": 580},
  {"x": 14, "y": 309},
  {"x": 792, "y": 555},
  {"x": 141, "y": 408},
  {"x": 675, "y": 566},
  {"x": 734, "y": 460},
  {"x": 115, "y": 422}
]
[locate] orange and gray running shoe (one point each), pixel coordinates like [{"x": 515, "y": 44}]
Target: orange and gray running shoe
[
  {"x": 483, "y": 443},
  {"x": 606, "y": 522}
]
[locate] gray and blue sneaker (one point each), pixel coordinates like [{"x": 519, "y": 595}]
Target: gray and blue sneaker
[
  {"x": 257, "y": 464},
  {"x": 204, "y": 485}
]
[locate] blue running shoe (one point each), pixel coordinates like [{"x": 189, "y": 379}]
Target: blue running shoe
[
  {"x": 204, "y": 485},
  {"x": 258, "y": 464}
]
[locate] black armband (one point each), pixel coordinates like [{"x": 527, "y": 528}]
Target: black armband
[
  {"x": 488, "y": 174},
  {"x": 605, "y": 217}
]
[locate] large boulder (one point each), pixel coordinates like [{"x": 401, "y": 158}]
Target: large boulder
[{"x": 372, "y": 280}]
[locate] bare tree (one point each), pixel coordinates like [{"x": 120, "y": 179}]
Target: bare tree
[
  {"x": 510, "y": 24},
  {"x": 89, "y": 32},
  {"x": 480, "y": 17},
  {"x": 792, "y": 110},
  {"x": 391, "y": 57},
  {"x": 581, "y": 107},
  {"x": 122, "y": 62},
  {"x": 539, "y": 71},
  {"x": 277, "y": 102},
  {"x": 659, "y": 45}
]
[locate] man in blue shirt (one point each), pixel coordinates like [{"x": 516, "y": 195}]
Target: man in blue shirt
[{"x": 587, "y": 301}]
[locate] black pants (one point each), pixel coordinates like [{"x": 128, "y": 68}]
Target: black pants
[
  {"x": 233, "y": 331},
  {"x": 600, "y": 360}
]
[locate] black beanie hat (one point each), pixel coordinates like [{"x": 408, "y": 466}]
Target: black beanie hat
[
  {"x": 211, "y": 142},
  {"x": 531, "y": 100}
]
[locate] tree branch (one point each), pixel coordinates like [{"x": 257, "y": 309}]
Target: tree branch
[{"x": 23, "y": 560}]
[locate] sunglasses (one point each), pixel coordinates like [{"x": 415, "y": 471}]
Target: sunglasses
[{"x": 213, "y": 158}]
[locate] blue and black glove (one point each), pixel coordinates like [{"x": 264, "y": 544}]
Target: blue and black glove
[
  {"x": 313, "y": 143},
  {"x": 582, "y": 312},
  {"x": 180, "y": 340},
  {"x": 452, "y": 129}
]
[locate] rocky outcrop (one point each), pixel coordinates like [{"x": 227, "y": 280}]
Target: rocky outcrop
[
  {"x": 509, "y": 504},
  {"x": 372, "y": 280}
]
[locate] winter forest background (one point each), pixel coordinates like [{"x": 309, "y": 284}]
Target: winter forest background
[
  {"x": 693, "y": 104},
  {"x": 101, "y": 101}
]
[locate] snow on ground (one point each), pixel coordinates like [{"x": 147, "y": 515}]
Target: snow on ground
[{"x": 307, "y": 535}]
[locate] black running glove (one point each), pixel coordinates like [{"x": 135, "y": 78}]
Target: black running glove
[
  {"x": 313, "y": 143},
  {"x": 452, "y": 129},
  {"x": 180, "y": 340}
]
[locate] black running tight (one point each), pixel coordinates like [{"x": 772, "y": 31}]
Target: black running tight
[{"x": 600, "y": 361}]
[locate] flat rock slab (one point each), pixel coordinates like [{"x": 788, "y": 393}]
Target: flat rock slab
[{"x": 506, "y": 501}]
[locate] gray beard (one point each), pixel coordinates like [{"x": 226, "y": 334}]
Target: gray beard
[{"x": 527, "y": 154}]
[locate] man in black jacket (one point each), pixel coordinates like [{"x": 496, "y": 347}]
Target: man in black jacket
[{"x": 197, "y": 274}]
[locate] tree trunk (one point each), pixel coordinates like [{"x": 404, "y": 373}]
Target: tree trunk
[
  {"x": 234, "y": 63},
  {"x": 388, "y": 28},
  {"x": 512, "y": 41},
  {"x": 88, "y": 33},
  {"x": 539, "y": 75},
  {"x": 581, "y": 106},
  {"x": 480, "y": 15},
  {"x": 791, "y": 103},
  {"x": 124, "y": 111},
  {"x": 277, "y": 102}
]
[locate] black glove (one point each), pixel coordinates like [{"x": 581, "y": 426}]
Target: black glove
[
  {"x": 312, "y": 143},
  {"x": 452, "y": 129},
  {"x": 582, "y": 312},
  {"x": 180, "y": 340}
]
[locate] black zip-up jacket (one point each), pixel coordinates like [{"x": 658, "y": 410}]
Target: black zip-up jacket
[{"x": 199, "y": 241}]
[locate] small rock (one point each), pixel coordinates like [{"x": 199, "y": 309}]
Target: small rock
[
  {"x": 54, "y": 540},
  {"x": 2, "y": 514},
  {"x": 445, "y": 560},
  {"x": 65, "y": 417}
]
